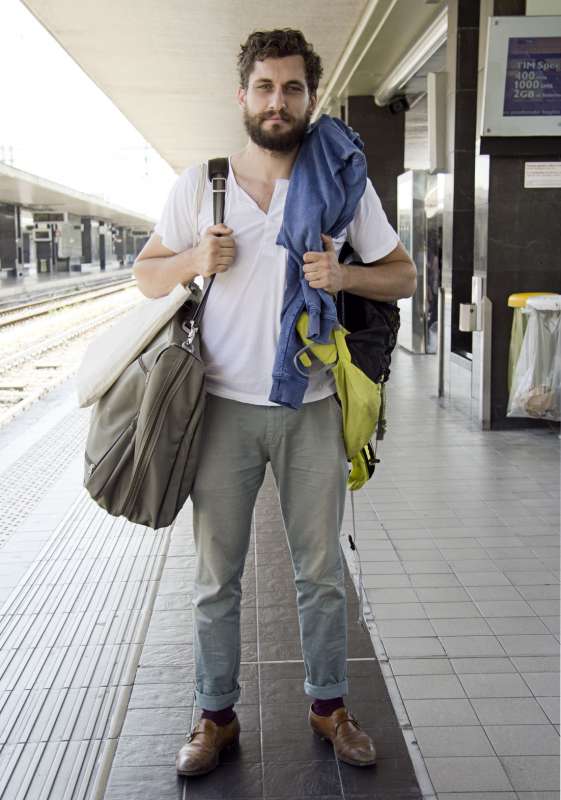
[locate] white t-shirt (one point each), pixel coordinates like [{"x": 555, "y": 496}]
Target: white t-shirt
[{"x": 241, "y": 322}]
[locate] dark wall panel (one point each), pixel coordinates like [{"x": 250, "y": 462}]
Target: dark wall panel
[
  {"x": 383, "y": 134},
  {"x": 524, "y": 249}
]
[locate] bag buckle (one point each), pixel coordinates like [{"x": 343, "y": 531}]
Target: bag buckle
[
  {"x": 219, "y": 184},
  {"x": 191, "y": 329},
  {"x": 309, "y": 371}
]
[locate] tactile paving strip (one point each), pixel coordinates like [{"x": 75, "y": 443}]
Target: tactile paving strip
[
  {"x": 70, "y": 639},
  {"x": 27, "y": 479}
]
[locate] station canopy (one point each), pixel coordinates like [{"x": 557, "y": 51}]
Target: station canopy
[
  {"x": 170, "y": 65},
  {"x": 37, "y": 193}
]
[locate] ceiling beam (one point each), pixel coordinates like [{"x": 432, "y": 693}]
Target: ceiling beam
[
  {"x": 426, "y": 46},
  {"x": 368, "y": 28}
]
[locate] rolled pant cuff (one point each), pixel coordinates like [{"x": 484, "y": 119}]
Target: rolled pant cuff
[
  {"x": 327, "y": 692},
  {"x": 216, "y": 702}
]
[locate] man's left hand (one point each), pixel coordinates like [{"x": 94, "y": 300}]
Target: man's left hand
[{"x": 322, "y": 270}]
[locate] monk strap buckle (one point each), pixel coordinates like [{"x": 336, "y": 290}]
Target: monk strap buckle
[{"x": 348, "y": 718}]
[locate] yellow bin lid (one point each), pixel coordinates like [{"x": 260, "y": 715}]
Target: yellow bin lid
[{"x": 518, "y": 300}]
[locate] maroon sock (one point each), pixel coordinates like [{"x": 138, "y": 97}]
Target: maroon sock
[
  {"x": 222, "y": 717},
  {"x": 326, "y": 707}
]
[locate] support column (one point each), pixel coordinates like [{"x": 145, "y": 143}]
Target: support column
[
  {"x": 20, "y": 262},
  {"x": 383, "y": 134},
  {"x": 120, "y": 245},
  {"x": 130, "y": 254},
  {"x": 458, "y": 221},
  {"x": 102, "y": 253},
  {"x": 8, "y": 249},
  {"x": 86, "y": 240}
]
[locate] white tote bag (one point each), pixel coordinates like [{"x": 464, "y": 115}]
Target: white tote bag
[{"x": 110, "y": 353}]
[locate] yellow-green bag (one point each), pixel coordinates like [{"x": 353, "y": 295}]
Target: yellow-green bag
[{"x": 359, "y": 396}]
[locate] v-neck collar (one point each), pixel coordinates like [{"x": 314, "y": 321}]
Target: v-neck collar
[{"x": 279, "y": 182}]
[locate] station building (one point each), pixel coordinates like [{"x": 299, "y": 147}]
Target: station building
[{"x": 47, "y": 229}]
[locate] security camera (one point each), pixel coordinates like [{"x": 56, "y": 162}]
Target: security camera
[{"x": 399, "y": 104}]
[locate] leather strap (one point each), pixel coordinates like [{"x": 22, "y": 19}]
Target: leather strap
[
  {"x": 348, "y": 718},
  {"x": 218, "y": 169},
  {"x": 217, "y": 174}
]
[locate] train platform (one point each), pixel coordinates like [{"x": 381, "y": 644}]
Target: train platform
[
  {"x": 38, "y": 286},
  {"x": 454, "y": 673}
]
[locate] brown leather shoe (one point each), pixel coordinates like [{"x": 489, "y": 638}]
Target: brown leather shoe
[
  {"x": 351, "y": 744},
  {"x": 201, "y": 751}
]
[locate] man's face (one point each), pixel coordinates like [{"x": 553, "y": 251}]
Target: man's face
[{"x": 277, "y": 106}]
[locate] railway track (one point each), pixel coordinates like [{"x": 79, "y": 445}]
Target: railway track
[
  {"x": 42, "y": 344},
  {"x": 46, "y": 345},
  {"x": 36, "y": 308}
]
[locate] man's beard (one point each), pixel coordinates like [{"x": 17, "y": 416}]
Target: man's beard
[{"x": 280, "y": 141}]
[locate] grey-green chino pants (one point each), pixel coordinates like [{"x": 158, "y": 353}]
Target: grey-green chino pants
[{"x": 307, "y": 456}]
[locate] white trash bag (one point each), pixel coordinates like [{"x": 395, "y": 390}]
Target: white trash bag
[{"x": 536, "y": 383}]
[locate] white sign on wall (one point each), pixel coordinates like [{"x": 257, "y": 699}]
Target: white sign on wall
[
  {"x": 542, "y": 175},
  {"x": 523, "y": 77}
]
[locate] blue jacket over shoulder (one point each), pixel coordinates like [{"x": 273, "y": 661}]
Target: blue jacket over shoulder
[{"x": 327, "y": 182}]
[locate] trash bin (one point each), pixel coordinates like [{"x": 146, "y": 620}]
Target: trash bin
[
  {"x": 536, "y": 380},
  {"x": 519, "y": 320}
]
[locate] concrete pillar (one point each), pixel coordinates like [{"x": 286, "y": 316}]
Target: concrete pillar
[
  {"x": 86, "y": 240},
  {"x": 458, "y": 221},
  {"x": 383, "y": 135},
  {"x": 120, "y": 245},
  {"x": 104, "y": 230},
  {"x": 130, "y": 253},
  {"x": 8, "y": 248},
  {"x": 20, "y": 261}
]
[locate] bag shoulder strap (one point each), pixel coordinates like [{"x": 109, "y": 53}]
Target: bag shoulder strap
[
  {"x": 201, "y": 183},
  {"x": 217, "y": 170}
]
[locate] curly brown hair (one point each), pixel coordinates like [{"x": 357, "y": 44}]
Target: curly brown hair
[{"x": 277, "y": 44}]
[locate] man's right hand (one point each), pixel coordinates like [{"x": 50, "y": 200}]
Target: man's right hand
[{"x": 216, "y": 250}]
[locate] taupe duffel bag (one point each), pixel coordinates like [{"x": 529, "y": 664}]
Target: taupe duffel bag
[{"x": 145, "y": 431}]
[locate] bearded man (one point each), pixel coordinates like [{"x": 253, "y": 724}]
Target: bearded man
[{"x": 243, "y": 429}]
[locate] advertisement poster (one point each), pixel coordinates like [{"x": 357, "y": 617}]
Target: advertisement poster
[{"x": 533, "y": 77}]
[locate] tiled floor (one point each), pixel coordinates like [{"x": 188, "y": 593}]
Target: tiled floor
[
  {"x": 459, "y": 543},
  {"x": 458, "y": 534},
  {"x": 279, "y": 757}
]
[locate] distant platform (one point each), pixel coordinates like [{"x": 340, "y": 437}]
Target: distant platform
[{"x": 34, "y": 286}]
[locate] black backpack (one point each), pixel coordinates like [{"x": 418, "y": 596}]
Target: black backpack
[{"x": 373, "y": 326}]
